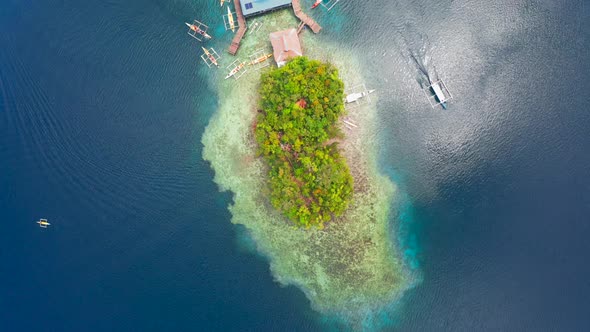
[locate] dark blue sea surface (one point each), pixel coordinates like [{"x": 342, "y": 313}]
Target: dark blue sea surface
[{"x": 102, "y": 109}]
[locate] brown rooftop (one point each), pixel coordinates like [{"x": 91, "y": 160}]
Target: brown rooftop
[{"x": 285, "y": 45}]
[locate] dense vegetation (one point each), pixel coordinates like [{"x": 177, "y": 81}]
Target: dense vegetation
[{"x": 300, "y": 105}]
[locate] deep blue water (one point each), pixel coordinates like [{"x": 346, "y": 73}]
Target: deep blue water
[{"x": 102, "y": 108}]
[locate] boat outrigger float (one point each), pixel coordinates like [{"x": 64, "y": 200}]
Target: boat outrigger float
[{"x": 254, "y": 27}]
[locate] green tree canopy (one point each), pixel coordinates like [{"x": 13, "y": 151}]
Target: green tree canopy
[{"x": 309, "y": 179}]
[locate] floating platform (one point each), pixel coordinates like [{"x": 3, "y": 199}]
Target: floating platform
[
  {"x": 235, "y": 44},
  {"x": 254, "y": 26},
  {"x": 438, "y": 94}
]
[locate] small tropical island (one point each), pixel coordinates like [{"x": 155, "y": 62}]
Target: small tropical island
[
  {"x": 297, "y": 133},
  {"x": 305, "y": 186}
]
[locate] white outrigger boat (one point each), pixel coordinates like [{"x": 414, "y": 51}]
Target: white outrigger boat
[
  {"x": 230, "y": 19},
  {"x": 439, "y": 94},
  {"x": 221, "y": 2},
  {"x": 260, "y": 59},
  {"x": 254, "y": 27},
  {"x": 210, "y": 57},
  {"x": 43, "y": 223},
  {"x": 235, "y": 70},
  {"x": 194, "y": 30},
  {"x": 351, "y": 98}
]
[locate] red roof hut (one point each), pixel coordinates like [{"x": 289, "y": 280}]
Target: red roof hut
[{"x": 285, "y": 45}]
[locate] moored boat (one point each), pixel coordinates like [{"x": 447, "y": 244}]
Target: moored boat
[
  {"x": 254, "y": 26},
  {"x": 260, "y": 59},
  {"x": 317, "y": 3},
  {"x": 210, "y": 56},
  {"x": 356, "y": 96},
  {"x": 230, "y": 19},
  {"x": 198, "y": 30},
  {"x": 437, "y": 93},
  {"x": 440, "y": 95},
  {"x": 235, "y": 70},
  {"x": 43, "y": 223}
]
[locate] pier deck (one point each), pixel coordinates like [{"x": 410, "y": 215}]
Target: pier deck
[
  {"x": 235, "y": 43},
  {"x": 304, "y": 18}
]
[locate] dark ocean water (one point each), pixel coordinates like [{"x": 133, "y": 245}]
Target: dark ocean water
[{"x": 102, "y": 108}]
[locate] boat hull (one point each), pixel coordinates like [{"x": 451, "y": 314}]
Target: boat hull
[
  {"x": 230, "y": 19},
  {"x": 261, "y": 59},
  {"x": 198, "y": 30},
  {"x": 234, "y": 71}
]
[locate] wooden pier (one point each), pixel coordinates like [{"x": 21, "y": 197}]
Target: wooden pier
[
  {"x": 300, "y": 27},
  {"x": 235, "y": 43},
  {"x": 304, "y": 18}
]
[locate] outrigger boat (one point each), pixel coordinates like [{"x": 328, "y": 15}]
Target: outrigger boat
[
  {"x": 254, "y": 26},
  {"x": 198, "y": 30},
  {"x": 43, "y": 223},
  {"x": 317, "y": 3},
  {"x": 221, "y": 2},
  {"x": 351, "y": 98},
  {"x": 210, "y": 56},
  {"x": 439, "y": 94},
  {"x": 260, "y": 59},
  {"x": 230, "y": 20},
  {"x": 235, "y": 70}
]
